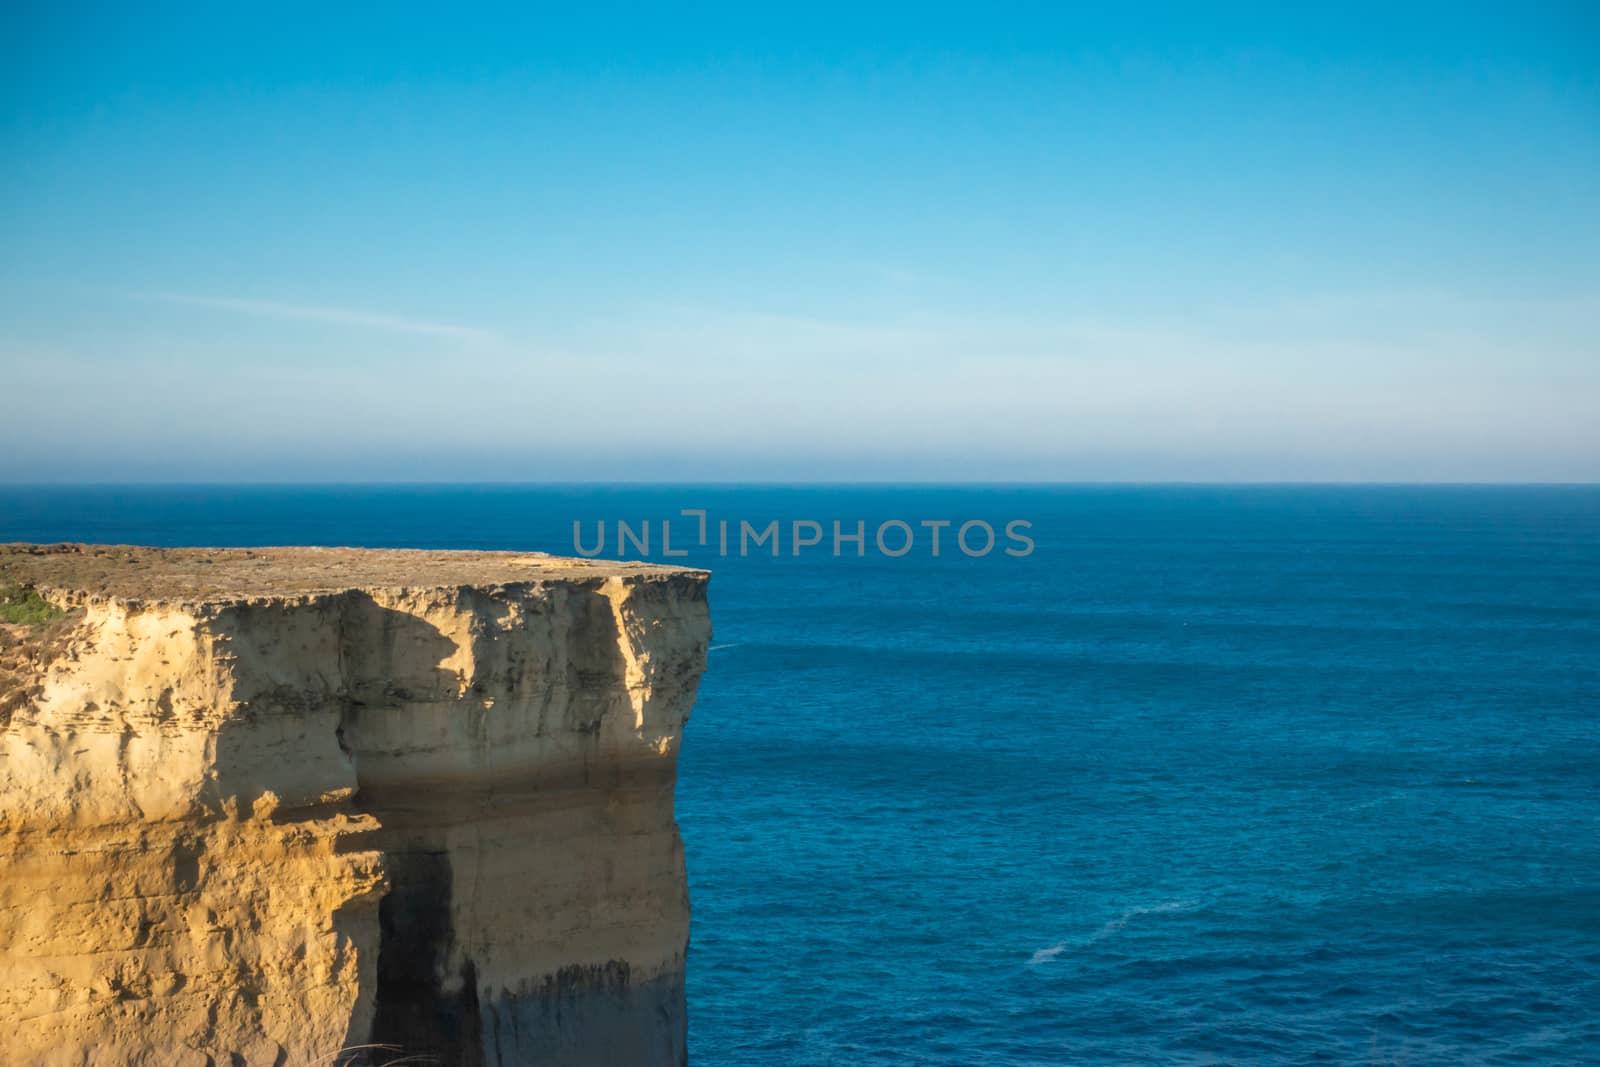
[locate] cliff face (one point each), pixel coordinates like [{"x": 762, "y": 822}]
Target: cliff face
[{"x": 266, "y": 806}]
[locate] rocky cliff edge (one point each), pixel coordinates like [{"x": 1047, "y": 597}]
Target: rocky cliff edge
[{"x": 296, "y": 806}]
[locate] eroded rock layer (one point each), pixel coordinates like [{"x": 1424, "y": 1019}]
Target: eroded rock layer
[{"x": 270, "y": 806}]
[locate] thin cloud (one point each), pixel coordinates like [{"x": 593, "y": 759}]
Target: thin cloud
[{"x": 341, "y": 316}]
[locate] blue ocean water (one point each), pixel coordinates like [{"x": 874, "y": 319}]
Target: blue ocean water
[{"x": 1214, "y": 775}]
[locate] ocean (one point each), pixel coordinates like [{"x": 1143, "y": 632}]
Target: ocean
[{"x": 1210, "y": 775}]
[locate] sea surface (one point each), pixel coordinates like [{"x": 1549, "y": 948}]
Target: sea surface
[{"x": 1213, "y": 775}]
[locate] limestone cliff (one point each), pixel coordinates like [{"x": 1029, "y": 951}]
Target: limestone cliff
[{"x": 266, "y": 806}]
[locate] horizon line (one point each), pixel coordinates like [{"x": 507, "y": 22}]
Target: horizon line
[{"x": 798, "y": 484}]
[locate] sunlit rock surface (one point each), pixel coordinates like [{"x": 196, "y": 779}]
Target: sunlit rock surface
[{"x": 268, "y": 806}]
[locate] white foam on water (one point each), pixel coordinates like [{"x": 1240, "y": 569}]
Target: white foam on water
[{"x": 1045, "y": 955}]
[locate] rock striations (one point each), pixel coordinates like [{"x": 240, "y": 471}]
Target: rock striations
[{"x": 268, "y": 806}]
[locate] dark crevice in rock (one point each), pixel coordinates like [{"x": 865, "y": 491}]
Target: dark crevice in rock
[{"x": 414, "y": 1014}]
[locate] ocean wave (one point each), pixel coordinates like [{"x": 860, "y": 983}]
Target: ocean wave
[{"x": 1109, "y": 929}]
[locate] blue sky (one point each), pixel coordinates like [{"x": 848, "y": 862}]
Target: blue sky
[{"x": 919, "y": 242}]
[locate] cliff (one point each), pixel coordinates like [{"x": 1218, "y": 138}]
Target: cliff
[{"x": 267, "y": 806}]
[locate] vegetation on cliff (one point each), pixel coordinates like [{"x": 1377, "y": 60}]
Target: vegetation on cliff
[
  {"x": 32, "y": 632},
  {"x": 21, "y": 606}
]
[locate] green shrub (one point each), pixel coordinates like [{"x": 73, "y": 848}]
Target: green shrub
[{"x": 20, "y": 605}]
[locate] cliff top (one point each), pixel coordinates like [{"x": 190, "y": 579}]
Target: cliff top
[{"x": 200, "y": 574}]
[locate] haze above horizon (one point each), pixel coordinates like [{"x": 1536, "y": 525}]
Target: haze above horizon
[{"x": 1182, "y": 244}]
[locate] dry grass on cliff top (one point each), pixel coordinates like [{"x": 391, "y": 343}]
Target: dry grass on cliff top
[
  {"x": 32, "y": 633},
  {"x": 201, "y": 575}
]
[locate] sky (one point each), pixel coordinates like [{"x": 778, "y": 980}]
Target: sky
[{"x": 811, "y": 243}]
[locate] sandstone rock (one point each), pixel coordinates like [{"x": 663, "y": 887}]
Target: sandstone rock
[{"x": 264, "y": 806}]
